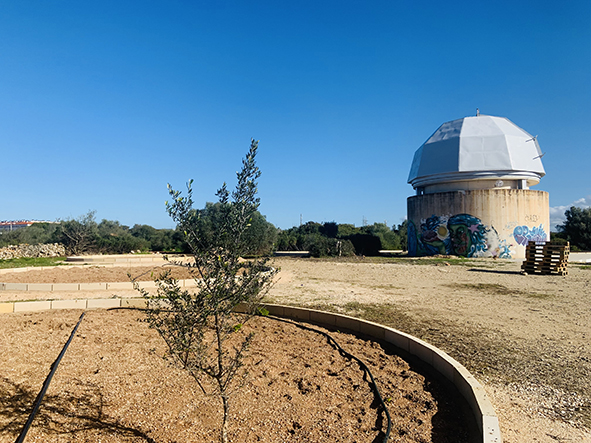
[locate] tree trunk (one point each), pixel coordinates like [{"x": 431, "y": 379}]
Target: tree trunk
[
  {"x": 218, "y": 331},
  {"x": 225, "y": 420}
]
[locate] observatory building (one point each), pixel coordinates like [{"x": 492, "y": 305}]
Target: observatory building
[{"x": 472, "y": 179}]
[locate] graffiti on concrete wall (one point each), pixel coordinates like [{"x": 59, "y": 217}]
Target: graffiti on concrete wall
[
  {"x": 460, "y": 234},
  {"x": 524, "y": 234}
]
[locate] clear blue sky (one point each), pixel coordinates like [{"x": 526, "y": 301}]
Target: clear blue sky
[{"x": 103, "y": 103}]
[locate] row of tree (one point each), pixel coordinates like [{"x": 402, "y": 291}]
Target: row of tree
[
  {"x": 332, "y": 239},
  {"x": 576, "y": 228},
  {"x": 85, "y": 235}
]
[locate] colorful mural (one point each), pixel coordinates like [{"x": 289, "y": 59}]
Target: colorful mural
[
  {"x": 524, "y": 234},
  {"x": 460, "y": 234}
]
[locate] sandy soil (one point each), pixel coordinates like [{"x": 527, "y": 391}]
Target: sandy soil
[
  {"x": 113, "y": 386},
  {"x": 92, "y": 274},
  {"x": 526, "y": 338}
]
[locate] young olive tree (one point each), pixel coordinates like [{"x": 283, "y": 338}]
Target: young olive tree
[{"x": 198, "y": 325}]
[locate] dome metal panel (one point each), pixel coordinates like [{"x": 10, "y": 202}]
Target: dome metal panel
[{"x": 471, "y": 148}]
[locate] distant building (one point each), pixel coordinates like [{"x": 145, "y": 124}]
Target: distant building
[
  {"x": 13, "y": 225},
  {"x": 472, "y": 179}
]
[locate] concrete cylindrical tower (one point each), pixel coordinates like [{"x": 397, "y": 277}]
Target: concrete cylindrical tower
[{"x": 472, "y": 179}]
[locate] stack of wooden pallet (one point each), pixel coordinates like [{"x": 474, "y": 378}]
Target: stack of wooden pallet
[{"x": 546, "y": 258}]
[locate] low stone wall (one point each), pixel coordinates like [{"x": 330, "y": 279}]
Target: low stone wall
[{"x": 19, "y": 251}]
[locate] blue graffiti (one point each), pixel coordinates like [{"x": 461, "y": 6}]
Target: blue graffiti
[
  {"x": 434, "y": 236},
  {"x": 524, "y": 234},
  {"x": 467, "y": 235},
  {"x": 503, "y": 250}
]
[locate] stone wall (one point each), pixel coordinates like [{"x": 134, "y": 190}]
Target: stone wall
[{"x": 48, "y": 250}]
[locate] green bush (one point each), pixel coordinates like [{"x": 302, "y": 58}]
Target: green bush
[
  {"x": 577, "y": 228},
  {"x": 332, "y": 239}
]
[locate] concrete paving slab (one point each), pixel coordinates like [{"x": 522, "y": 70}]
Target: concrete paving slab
[
  {"x": 47, "y": 287},
  {"x": 146, "y": 284},
  {"x": 444, "y": 365},
  {"x": 139, "y": 303},
  {"x": 92, "y": 286},
  {"x": 468, "y": 386},
  {"x": 324, "y": 318},
  {"x": 15, "y": 287},
  {"x": 372, "y": 329},
  {"x": 103, "y": 303},
  {"x": 422, "y": 350},
  {"x": 31, "y": 306},
  {"x": 579, "y": 257},
  {"x": 491, "y": 431},
  {"x": 66, "y": 287},
  {"x": 350, "y": 323},
  {"x": 279, "y": 311},
  {"x": 6, "y": 308},
  {"x": 298, "y": 314},
  {"x": 398, "y": 339},
  {"x": 68, "y": 304},
  {"x": 120, "y": 285}
]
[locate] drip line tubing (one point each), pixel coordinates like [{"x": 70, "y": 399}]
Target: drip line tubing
[
  {"x": 351, "y": 357},
  {"x": 41, "y": 394}
]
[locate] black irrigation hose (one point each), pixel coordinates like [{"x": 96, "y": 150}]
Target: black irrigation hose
[
  {"x": 41, "y": 394},
  {"x": 352, "y": 357}
]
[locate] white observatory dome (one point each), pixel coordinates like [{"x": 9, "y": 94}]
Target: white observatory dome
[{"x": 474, "y": 153}]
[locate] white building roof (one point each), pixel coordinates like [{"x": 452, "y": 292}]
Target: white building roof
[{"x": 475, "y": 148}]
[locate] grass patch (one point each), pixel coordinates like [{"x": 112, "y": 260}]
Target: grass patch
[
  {"x": 537, "y": 295},
  {"x": 31, "y": 262},
  {"x": 496, "y": 289},
  {"x": 384, "y": 287},
  {"x": 437, "y": 261},
  {"x": 489, "y": 288}
]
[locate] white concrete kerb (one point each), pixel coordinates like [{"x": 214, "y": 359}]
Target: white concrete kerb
[{"x": 52, "y": 287}]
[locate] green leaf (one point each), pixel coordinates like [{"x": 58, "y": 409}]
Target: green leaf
[{"x": 263, "y": 312}]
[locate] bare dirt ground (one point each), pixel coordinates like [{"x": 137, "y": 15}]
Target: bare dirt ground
[
  {"x": 92, "y": 274},
  {"x": 113, "y": 384},
  {"x": 525, "y": 338}
]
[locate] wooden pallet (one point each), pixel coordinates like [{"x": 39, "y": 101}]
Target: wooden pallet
[{"x": 545, "y": 258}]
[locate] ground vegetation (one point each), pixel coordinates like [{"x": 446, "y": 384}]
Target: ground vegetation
[
  {"x": 576, "y": 229},
  {"x": 341, "y": 240}
]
